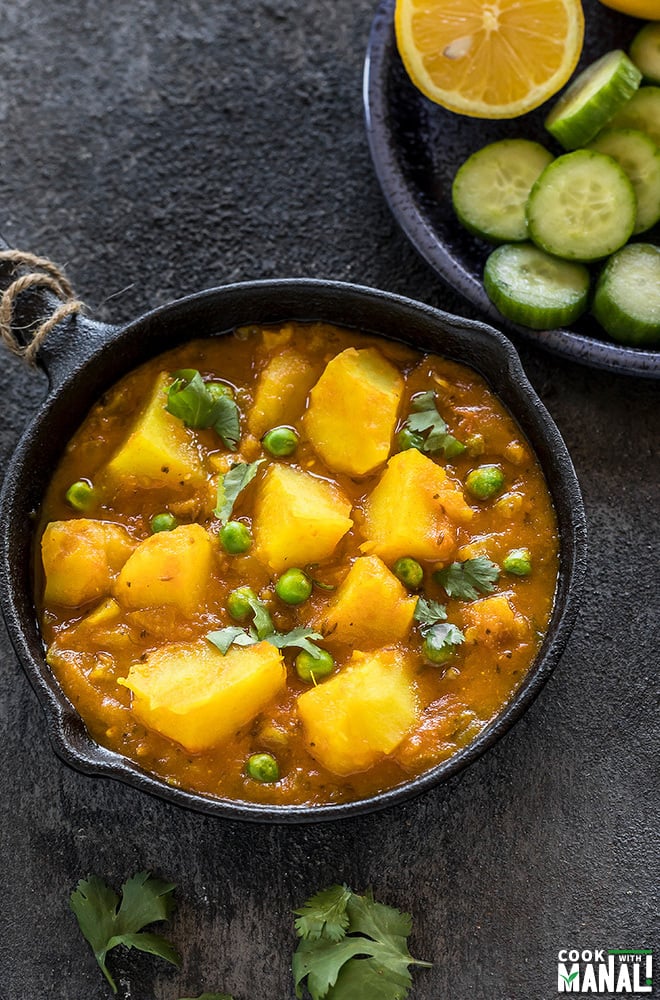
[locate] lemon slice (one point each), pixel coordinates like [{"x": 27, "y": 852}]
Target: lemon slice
[{"x": 489, "y": 58}]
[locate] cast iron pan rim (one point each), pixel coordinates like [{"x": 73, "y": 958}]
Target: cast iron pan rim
[
  {"x": 401, "y": 199},
  {"x": 62, "y": 719}
]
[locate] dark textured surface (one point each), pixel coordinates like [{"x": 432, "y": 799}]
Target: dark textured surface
[{"x": 156, "y": 149}]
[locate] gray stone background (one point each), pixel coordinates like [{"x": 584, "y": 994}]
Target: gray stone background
[{"x": 156, "y": 148}]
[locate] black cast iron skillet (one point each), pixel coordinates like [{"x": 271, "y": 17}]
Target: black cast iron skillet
[{"x": 82, "y": 359}]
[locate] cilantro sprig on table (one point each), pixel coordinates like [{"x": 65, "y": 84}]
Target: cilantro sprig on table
[
  {"x": 190, "y": 399},
  {"x": 425, "y": 417},
  {"x": 107, "y": 922},
  {"x": 262, "y": 628},
  {"x": 466, "y": 580},
  {"x": 352, "y": 946}
]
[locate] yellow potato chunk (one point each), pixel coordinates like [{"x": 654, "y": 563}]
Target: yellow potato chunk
[
  {"x": 352, "y": 411},
  {"x": 361, "y": 713},
  {"x": 81, "y": 558},
  {"x": 281, "y": 392},
  {"x": 193, "y": 694},
  {"x": 371, "y": 607},
  {"x": 299, "y": 519},
  {"x": 158, "y": 453},
  {"x": 414, "y": 510},
  {"x": 493, "y": 622},
  {"x": 169, "y": 568}
]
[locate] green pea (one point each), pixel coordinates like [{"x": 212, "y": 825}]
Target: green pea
[
  {"x": 485, "y": 482},
  {"x": 238, "y": 603},
  {"x": 219, "y": 389},
  {"x": 163, "y": 522},
  {"x": 437, "y": 651},
  {"x": 293, "y": 587},
  {"x": 235, "y": 537},
  {"x": 409, "y": 572},
  {"x": 263, "y": 767},
  {"x": 475, "y": 445},
  {"x": 280, "y": 441},
  {"x": 406, "y": 439},
  {"x": 518, "y": 562},
  {"x": 80, "y": 495},
  {"x": 309, "y": 668}
]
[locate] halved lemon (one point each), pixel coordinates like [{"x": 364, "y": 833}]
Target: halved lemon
[{"x": 489, "y": 58}]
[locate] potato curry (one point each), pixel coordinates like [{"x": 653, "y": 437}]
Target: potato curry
[{"x": 294, "y": 564}]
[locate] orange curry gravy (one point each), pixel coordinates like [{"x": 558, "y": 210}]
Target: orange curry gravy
[{"x": 454, "y": 701}]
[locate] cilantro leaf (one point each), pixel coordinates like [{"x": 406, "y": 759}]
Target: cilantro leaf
[
  {"x": 106, "y": 922},
  {"x": 425, "y": 417},
  {"x": 227, "y": 422},
  {"x": 466, "y": 580},
  {"x": 231, "y": 484},
  {"x": 263, "y": 623},
  {"x": 223, "y": 638},
  {"x": 443, "y": 636},
  {"x": 297, "y": 637},
  {"x": 360, "y": 954},
  {"x": 324, "y": 915},
  {"x": 189, "y": 399},
  {"x": 428, "y": 613}
]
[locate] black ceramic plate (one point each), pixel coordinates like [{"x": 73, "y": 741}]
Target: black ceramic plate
[{"x": 417, "y": 147}]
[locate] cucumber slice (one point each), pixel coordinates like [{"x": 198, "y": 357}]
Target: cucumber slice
[
  {"x": 645, "y": 51},
  {"x": 593, "y": 97},
  {"x": 627, "y": 298},
  {"x": 530, "y": 287},
  {"x": 641, "y": 112},
  {"x": 639, "y": 156},
  {"x": 582, "y": 207},
  {"x": 491, "y": 188}
]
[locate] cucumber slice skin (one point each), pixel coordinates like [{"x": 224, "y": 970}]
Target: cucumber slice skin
[
  {"x": 641, "y": 112},
  {"x": 645, "y": 51},
  {"x": 491, "y": 188},
  {"x": 639, "y": 157},
  {"x": 627, "y": 297},
  {"x": 593, "y": 97},
  {"x": 530, "y": 287},
  {"x": 565, "y": 222}
]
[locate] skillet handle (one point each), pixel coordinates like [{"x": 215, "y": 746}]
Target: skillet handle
[{"x": 41, "y": 319}]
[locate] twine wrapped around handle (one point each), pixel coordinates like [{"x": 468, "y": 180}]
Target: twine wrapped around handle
[{"x": 42, "y": 274}]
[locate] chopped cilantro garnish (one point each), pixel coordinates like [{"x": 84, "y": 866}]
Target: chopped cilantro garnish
[
  {"x": 263, "y": 623},
  {"x": 298, "y": 637},
  {"x": 428, "y": 613},
  {"x": 466, "y": 580},
  {"x": 231, "y": 484},
  {"x": 107, "y": 922},
  {"x": 441, "y": 637},
  {"x": 263, "y": 629},
  {"x": 189, "y": 399},
  {"x": 234, "y": 635},
  {"x": 425, "y": 417},
  {"x": 351, "y": 946}
]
